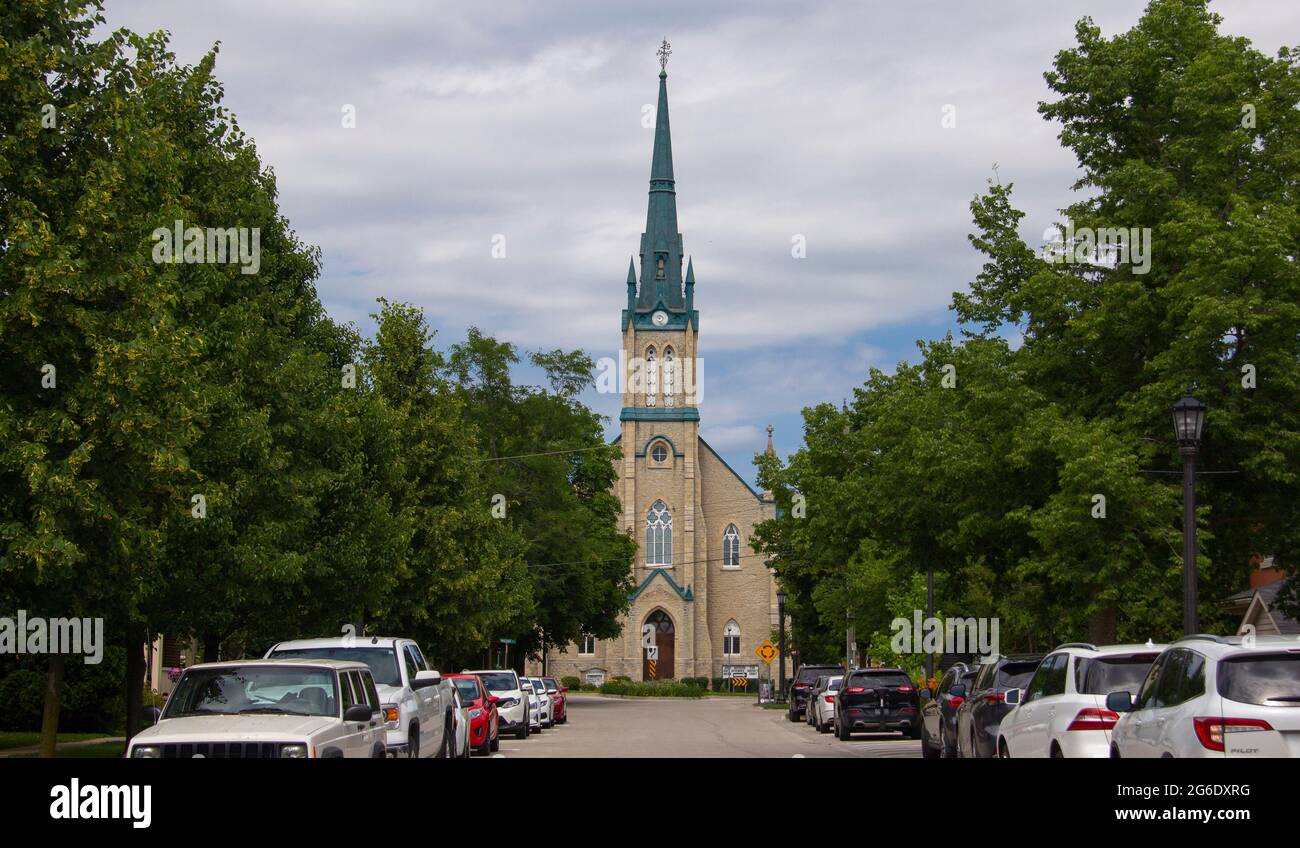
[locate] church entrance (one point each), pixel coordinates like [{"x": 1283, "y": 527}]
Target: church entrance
[{"x": 664, "y": 637}]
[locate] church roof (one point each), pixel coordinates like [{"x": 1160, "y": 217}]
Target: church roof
[{"x": 661, "y": 239}]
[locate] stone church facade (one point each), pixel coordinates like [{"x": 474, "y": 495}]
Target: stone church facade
[{"x": 703, "y": 597}]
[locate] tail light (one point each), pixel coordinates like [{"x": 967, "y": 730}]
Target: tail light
[
  {"x": 956, "y": 701},
  {"x": 830, "y": 699},
  {"x": 1093, "y": 718},
  {"x": 1212, "y": 731},
  {"x": 854, "y": 690},
  {"x": 903, "y": 690},
  {"x": 995, "y": 698}
]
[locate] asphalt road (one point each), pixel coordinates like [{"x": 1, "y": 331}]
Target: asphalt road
[{"x": 683, "y": 727}]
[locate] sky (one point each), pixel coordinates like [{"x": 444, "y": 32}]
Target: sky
[{"x": 524, "y": 125}]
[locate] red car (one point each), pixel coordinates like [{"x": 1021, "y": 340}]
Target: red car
[
  {"x": 560, "y": 712},
  {"x": 484, "y": 736}
]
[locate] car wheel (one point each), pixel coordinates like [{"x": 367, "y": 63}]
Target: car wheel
[
  {"x": 842, "y": 731},
  {"x": 793, "y": 716},
  {"x": 413, "y": 742},
  {"x": 1057, "y": 753},
  {"x": 1114, "y": 752},
  {"x": 486, "y": 748},
  {"x": 496, "y": 742},
  {"x": 522, "y": 733},
  {"x": 1003, "y": 753}
]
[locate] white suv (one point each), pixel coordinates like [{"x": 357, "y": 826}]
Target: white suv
[
  {"x": 267, "y": 709},
  {"x": 1062, "y": 711},
  {"x": 417, "y": 702},
  {"x": 1214, "y": 696},
  {"x": 546, "y": 704},
  {"x": 512, "y": 702}
]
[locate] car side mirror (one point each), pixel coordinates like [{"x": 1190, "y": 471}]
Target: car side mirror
[
  {"x": 150, "y": 715},
  {"x": 426, "y": 678},
  {"x": 1120, "y": 702},
  {"x": 358, "y": 712},
  {"x": 1014, "y": 697},
  {"x": 958, "y": 691},
  {"x": 925, "y": 694}
]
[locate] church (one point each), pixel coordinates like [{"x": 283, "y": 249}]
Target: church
[{"x": 703, "y": 601}]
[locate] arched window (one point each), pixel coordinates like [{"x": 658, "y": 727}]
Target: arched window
[
  {"x": 659, "y": 535},
  {"x": 651, "y": 377},
  {"x": 731, "y": 547},
  {"x": 659, "y": 268},
  {"x": 659, "y": 453},
  {"x": 669, "y": 376},
  {"x": 731, "y": 639}
]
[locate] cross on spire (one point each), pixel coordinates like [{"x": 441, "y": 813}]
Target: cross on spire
[{"x": 665, "y": 50}]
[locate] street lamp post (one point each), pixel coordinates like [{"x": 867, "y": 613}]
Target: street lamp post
[
  {"x": 780, "y": 639},
  {"x": 1189, "y": 423}
]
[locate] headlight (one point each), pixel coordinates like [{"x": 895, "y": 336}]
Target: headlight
[
  {"x": 508, "y": 703},
  {"x": 145, "y": 752},
  {"x": 293, "y": 752},
  {"x": 475, "y": 713},
  {"x": 390, "y": 713}
]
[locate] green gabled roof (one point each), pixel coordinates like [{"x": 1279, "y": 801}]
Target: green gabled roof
[{"x": 685, "y": 594}]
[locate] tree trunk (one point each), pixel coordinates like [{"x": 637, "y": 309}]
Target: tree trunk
[
  {"x": 135, "y": 672},
  {"x": 50, "y": 714},
  {"x": 1103, "y": 626},
  {"x": 211, "y": 648}
]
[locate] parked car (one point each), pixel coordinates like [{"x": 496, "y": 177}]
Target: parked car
[
  {"x": 939, "y": 712},
  {"x": 985, "y": 704},
  {"x": 809, "y": 709},
  {"x": 484, "y": 719},
  {"x": 416, "y": 701},
  {"x": 460, "y": 723},
  {"x": 512, "y": 702},
  {"x": 559, "y": 694},
  {"x": 268, "y": 709},
  {"x": 881, "y": 699},
  {"x": 534, "y": 704},
  {"x": 822, "y": 705},
  {"x": 1062, "y": 711},
  {"x": 1214, "y": 696},
  {"x": 802, "y": 686},
  {"x": 546, "y": 704}
]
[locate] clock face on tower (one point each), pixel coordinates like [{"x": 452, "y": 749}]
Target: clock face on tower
[{"x": 659, "y": 318}]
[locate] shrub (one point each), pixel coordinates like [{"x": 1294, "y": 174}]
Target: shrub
[
  {"x": 573, "y": 683},
  {"x": 651, "y": 689}
]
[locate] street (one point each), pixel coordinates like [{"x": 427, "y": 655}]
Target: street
[{"x": 602, "y": 726}]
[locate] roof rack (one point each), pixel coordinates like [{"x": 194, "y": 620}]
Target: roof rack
[
  {"x": 1085, "y": 645},
  {"x": 1201, "y": 637}
]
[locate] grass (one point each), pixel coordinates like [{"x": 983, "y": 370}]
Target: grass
[
  {"x": 103, "y": 751},
  {"x": 25, "y": 739}
]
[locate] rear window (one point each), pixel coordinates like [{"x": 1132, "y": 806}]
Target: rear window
[
  {"x": 1103, "y": 675},
  {"x": 499, "y": 681},
  {"x": 468, "y": 688},
  {"x": 808, "y": 675},
  {"x": 1015, "y": 675},
  {"x": 876, "y": 679},
  {"x": 1265, "y": 679}
]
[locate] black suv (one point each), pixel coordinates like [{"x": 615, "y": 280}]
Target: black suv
[
  {"x": 803, "y": 685},
  {"x": 986, "y": 703},
  {"x": 877, "y": 699}
]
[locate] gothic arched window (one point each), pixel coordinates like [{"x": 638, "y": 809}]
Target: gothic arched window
[
  {"x": 731, "y": 547},
  {"x": 731, "y": 639},
  {"x": 659, "y": 535},
  {"x": 651, "y": 377},
  {"x": 669, "y": 376},
  {"x": 659, "y": 268}
]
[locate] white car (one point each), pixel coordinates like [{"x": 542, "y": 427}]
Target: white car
[
  {"x": 534, "y": 704},
  {"x": 416, "y": 701},
  {"x": 460, "y": 721},
  {"x": 823, "y": 711},
  {"x": 1062, "y": 711},
  {"x": 546, "y": 704},
  {"x": 513, "y": 710},
  {"x": 1214, "y": 696},
  {"x": 267, "y": 709}
]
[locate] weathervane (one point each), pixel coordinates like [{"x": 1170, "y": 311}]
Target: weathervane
[{"x": 665, "y": 50}]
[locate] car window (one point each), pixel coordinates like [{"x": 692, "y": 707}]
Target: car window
[
  {"x": 949, "y": 677},
  {"x": 382, "y": 660},
  {"x": 1037, "y": 685},
  {"x": 500, "y": 681},
  {"x": 345, "y": 690},
  {"x": 412, "y": 664},
  {"x": 551, "y": 683},
  {"x": 984, "y": 677},
  {"x": 1146, "y": 695},
  {"x": 1265, "y": 679},
  {"x": 1014, "y": 674},
  {"x": 1114, "y": 673},
  {"x": 372, "y": 694},
  {"x": 834, "y": 685},
  {"x": 1167, "y": 687},
  {"x": 468, "y": 688},
  {"x": 876, "y": 679}
]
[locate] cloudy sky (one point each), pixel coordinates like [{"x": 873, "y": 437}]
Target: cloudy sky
[{"x": 525, "y": 120}]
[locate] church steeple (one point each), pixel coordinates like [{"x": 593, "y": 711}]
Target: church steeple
[{"x": 661, "y": 243}]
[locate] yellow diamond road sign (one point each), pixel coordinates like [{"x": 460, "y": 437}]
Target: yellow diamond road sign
[{"x": 767, "y": 651}]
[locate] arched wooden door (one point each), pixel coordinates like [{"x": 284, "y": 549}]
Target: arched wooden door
[{"x": 664, "y": 636}]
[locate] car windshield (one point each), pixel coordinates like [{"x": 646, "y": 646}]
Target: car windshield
[
  {"x": 551, "y": 684},
  {"x": 834, "y": 684},
  {"x": 1015, "y": 675},
  {"x": 382, "y": 661},
  {"x": 499, "y": 681},
  {"x": 876, "y": 679},
  {"x": 243, "y": 690},
  {"x": 1264, "y": 679},
  {"x": 1103, "y": 675},
  {"x": 467, "y": 687}
]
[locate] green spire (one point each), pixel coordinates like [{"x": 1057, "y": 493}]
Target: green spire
[
  {"x": 661, "y": 243},
  {"x": 631, "y": 271}
]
